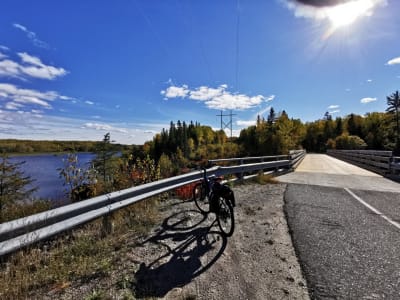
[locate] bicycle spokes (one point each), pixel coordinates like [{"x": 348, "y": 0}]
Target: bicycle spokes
[{"x": 225, "y": 217}]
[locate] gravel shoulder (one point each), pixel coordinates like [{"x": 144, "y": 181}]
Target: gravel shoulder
[
  {"x": 186, "y": 257},
  {"x": 191, "y": 260}
]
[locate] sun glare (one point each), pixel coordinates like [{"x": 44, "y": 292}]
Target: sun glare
[{"x": 345, "y": 14}]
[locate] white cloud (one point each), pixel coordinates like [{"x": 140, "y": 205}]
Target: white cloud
[
  {"x": 32, "y": 36},
  {"x": 28, "y": 125},
  {"x": 216, "y": 98},
  {"x": 369, "y": 80},
  {"x": 2, "y": 56},
  {"x": 97, "y": 126},
  {"x": 245, "y": 123},
  {"x": 335, "y": 111},
  {"x": 89, "y": 102},
  {"x": 67, "y": 98},
  {"x": 35, "y": 68},
  {"x": 333, "y": 106},
  {"x": 205, "y": 93},
  {"x": 368, "y": 100},
  {"x": 23, "y": 97},
  {"x": 234, "y": 101},
  {"x": 9, "y": 68},
  {"x": 321, "y": 13},
  {"x": 4, "y": 48},
  {"x": 393, "y": 61},
  {"x": 176, "y": 91},
  {"x": 13, "y": 105},
  {"x": 270, "y": 98},
  {"x": 31, "y": 67}
]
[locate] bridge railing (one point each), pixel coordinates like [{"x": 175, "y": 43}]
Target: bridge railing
[
  {"x": 395, "y": 165},
  {"x": 381, "y": 162},
  {"x": 25, "y": 231}
]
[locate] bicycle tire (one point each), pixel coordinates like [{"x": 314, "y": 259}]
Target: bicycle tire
[
  {"x": 200, "y": 197},
  {"x": 225, "y": 216}
]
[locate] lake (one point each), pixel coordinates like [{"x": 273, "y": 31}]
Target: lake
[{"x": 43, "y": 169}]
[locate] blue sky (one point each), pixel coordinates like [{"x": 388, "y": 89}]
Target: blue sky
[{"x": 80, "y": 69}]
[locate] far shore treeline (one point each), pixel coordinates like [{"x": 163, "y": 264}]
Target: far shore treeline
[{"x": 14, "y": 146}]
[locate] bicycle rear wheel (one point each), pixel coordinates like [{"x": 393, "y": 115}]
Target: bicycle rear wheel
[
  {"x": 225, "y": 216},
  {"x": 200, "y": 197}
]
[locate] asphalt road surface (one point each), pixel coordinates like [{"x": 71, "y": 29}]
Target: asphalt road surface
[{"x": 345, "y": 225}]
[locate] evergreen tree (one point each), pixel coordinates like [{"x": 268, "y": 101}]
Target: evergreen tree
[
  {"x": 393, "y": 102},
  {"x": 14, "y": 185},
  {"x": 339, "y": 126},
  {"x": 271, "y": 116},
  {"x": 103, "y": 163}
]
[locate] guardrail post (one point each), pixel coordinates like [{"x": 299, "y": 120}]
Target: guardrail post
[
  {"x": 241, "y": 176},
  {"x": 107, "y": 225}
]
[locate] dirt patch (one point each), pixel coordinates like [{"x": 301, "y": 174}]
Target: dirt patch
[{"x": 186, "y": 257}]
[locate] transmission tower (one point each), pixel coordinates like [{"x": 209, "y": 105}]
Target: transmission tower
[{"x": 226, "y": 125}]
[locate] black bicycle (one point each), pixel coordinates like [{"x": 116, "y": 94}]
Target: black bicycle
[{"x": 210, "y": 195}]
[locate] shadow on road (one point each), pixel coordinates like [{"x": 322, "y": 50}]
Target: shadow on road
[{"x": 184, "y": 247}]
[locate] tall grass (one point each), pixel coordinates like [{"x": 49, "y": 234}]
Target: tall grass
[
  {"x": 80, "y": 256},
  {"x": 23, "y": 209}
]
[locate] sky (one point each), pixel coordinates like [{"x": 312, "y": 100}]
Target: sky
[{"x": 75, "y": 70}]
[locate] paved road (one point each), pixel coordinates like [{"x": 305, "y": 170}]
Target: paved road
[{"x": 345, "y": 225}]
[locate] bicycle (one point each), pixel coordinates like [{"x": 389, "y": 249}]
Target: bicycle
[{"x": 210, "y": 195}]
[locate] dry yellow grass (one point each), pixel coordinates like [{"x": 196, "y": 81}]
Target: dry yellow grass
[
  {"x": 81, "y": 255},
  {"x": 265, "y": 179}
]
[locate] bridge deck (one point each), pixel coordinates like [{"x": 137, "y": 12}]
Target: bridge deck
[{"x": 323, "y": 170}]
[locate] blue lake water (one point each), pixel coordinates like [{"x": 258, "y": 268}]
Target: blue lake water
[{"x": 43, "y": 169}]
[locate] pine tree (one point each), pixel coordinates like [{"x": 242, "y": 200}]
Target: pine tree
[
  {"x": 393, "y": 102},
  {"x": 271, "y": 116},
  {"x": 103, "y": 163},
  {"x": 14, "y": 185}
]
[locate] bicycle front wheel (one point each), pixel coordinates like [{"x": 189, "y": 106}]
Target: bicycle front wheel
[
  {"x": 200, "y": 197},
  {"x": 225, "y": 216}
]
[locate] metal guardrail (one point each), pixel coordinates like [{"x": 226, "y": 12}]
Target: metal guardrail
[
  {"x": 296, "y": 155},
  {"x": 23, "y": 232},
  {"x": 381, "y": 162}
]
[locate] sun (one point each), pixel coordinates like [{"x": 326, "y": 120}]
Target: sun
[{"x": 347, "y": 13}]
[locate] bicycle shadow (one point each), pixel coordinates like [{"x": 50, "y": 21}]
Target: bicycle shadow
[{"x": 189, "y": 249}]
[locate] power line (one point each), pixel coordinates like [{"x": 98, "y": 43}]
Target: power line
[
  {"x": 226, "y": 125},
  {"x": 237, "y": 44}
]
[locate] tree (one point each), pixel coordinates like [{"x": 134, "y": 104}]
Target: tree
[
  {"x": 14, "y": 185},
  {"x": 271, "y": 116},
  {"x": 79, "y": 181},
  {"x": 350, "y": 142},
  {"x": 104, "y": 163},
  {"x": 327, "y": 116},
  {"x": 393, "y": 102}
]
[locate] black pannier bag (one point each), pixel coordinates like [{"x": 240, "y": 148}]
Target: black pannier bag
[{"x": 221, "y": 190}]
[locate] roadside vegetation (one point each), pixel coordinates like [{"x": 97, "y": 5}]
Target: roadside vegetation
[{"x": 81, "y": 256}]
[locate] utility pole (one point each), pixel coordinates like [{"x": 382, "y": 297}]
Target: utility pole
[{"x": 228, "y": 124}]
